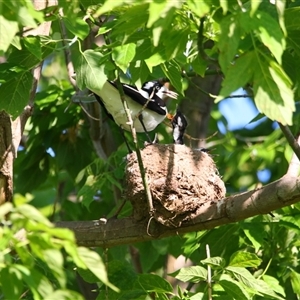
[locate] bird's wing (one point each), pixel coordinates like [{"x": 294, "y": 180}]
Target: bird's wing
[{"x": 157, "y": 104}]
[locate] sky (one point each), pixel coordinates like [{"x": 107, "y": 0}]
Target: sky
[{"x": 238, "y": 113}]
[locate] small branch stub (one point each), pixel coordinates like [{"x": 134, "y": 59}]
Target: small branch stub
[{"x": 181, "y": 180}]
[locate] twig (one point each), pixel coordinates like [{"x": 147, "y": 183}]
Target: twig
[
  {"x": 291, "y": 139},
  {"x": 137, "y": 149},
  {"x": 209, "y": 289},
  {"x": 294, "y": 166},
  {"x": 67, "y": 52}
]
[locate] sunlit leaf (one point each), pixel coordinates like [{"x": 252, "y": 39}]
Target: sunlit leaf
[
  {"x": 33, "y": 45},
  {"x": 254, "y": 6},
  {"x": 10, "y": 28},
  {"x": 77, "y": 26},
  {"x": 295, "y": 280},
  {"x": 90, "y": 71},
  {"x": 244, "y": 259},
  {"x": 274, "y": 284},
  {"x": 200, "y": 8},
  {"x": 123, "y": 55},
  {"x": 94, "y": 263},
  {"x": 273, "y": 94},
  {"x": 271, "y": 34},
  {"x": 217, "y": 262},
  {"x": 192, "y": 274},
  {"x": 64, "y": 295},
  {"x": 54, "y": 260}
]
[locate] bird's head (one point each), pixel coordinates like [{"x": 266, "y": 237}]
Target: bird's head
[{"x": 157, "y": 88}]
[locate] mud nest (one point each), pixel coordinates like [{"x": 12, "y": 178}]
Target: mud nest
[{"x": 181, "y": 179}]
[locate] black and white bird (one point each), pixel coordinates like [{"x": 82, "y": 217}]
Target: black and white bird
[
  {"x": 179, "y": 124},
  {"x": 147, "y": 105}
]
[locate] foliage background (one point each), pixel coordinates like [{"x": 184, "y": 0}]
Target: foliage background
[{"x": 60, "y": 173}]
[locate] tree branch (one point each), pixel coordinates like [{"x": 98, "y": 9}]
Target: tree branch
[
  {"x": 291, "y": 139},
  {"x": 114, "y": 232},
  {"x": 294, "y": 166}
]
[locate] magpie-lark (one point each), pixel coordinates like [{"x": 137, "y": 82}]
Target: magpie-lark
[{"x": 147, "y": 105}]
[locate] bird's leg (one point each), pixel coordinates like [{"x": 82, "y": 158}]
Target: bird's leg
[
  {"x": 140, "y": 117},
  {"x": 125, "y": 140}
]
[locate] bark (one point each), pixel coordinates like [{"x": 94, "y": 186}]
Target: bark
[
  {"x": 114, "y": 232},
  {"x": 197, "y": 106}
]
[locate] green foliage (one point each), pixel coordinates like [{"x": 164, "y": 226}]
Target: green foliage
[
  {"x": 256, "y": 45},
  {"x": 32, "y": 260}
]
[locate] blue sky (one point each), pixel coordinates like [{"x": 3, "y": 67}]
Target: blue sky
[{"x": 238, "y": 113}]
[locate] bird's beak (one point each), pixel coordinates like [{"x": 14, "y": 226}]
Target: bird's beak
[{"x": 170, "y": 94}]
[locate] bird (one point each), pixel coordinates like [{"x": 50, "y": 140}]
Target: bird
[
  {"x": 147, "y": 105},
  {"x": 179, "y": 124}
]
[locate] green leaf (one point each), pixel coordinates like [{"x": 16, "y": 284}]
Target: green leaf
[
  {"x": 108, "y": 6},
  {"x": 39, "y": 284},
  {"x": 291, "y": 18},
  {"x": 10, "y": 28},
  {"x": 5, "y": 208},
  {"x": 11, "y": 282},
  {"x": 295, "y": 281},
  {"x": 273, "y": 94},
  {"x": 243, "y": 275},
  {"x": 280, "y": 7},
  {"x": 257, "y": 286},
  {"x": 64, "y": 295},
  {"x": 173, "y": 72},
  {"x": 254, "y": 6},
  {"x": 199, "y": 8},
  {"x": 238, "y": 75},
  {"x": 154, "y": 283},
  {"x": 54, "y": 260},
  {"x": 191, "y": 274},
  {"x": 33, "y": 45},
  {"x": 255, "y": 231},
  {"x": 264, "y": 289},
  {"x": 123, "y": 55},
  {"x": 77, "y": 26},
  {"x": 139, "y": 73},
  {"x": 244, "y": 259},
  {"x": 94, "y": 263},
  {"x": 293, "y": 40},
  {"x": 224, "y": 5},
  {"x": 274, "y": 284},
  {"x": 156, "y": 11},
  {"x": 90, "y": 189},
  {"x": 216, "y": 262},
  {"x": 199, "y": 65},
  {"x": 122, "y": 274},
  {"x": 31, "y": 213},
  {"x": 233, "y": 288},
  {"x": 229, "y": 41},
  {"x": 270, "y": 34},
  {"x": 15, "y": 93},
  {"x": 112, "y": 180},
  {"x": 161, "y": 15},
  {"x": 90, "y": 71},
  {"x": 157, "y": 58}
]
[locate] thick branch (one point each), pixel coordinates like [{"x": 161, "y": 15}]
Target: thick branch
[{"x": 114, "y": 232}]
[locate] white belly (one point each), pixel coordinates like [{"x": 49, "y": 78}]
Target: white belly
[{"x": 113, "y": 103}]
